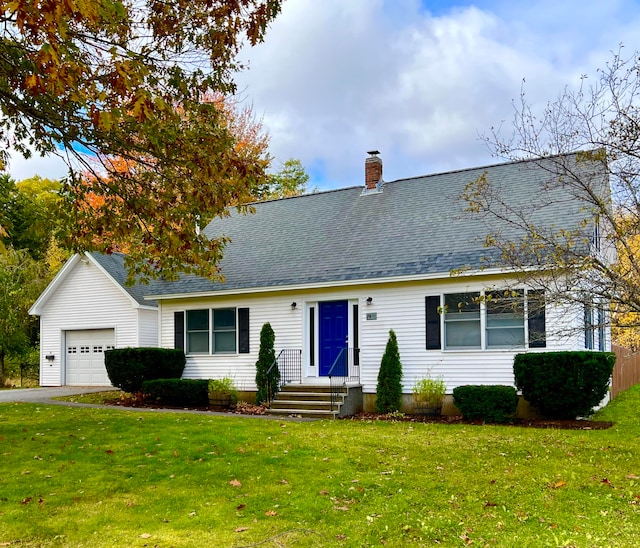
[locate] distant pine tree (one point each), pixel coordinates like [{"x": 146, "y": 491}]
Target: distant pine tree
[
  {"x": 266, "y": 357},
  {"x": 389, "y": 389}
]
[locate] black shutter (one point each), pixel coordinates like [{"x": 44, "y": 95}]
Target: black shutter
[
  {"x": 178, "y": 330},
  {"x": 433, "y": 322},
  {"x": 537, "y": 319},
  {"x": 243, "y": 330}
]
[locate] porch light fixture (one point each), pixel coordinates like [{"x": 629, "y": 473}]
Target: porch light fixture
[
  {"x": 294, "y": 305},
  {"x": 369, "y": 300},
  {"x": 50, "y": 357}
]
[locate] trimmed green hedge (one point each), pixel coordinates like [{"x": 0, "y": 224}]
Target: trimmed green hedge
[
  {"x": 128, "y": 368},
  {"x": 489, "y": 403},
  {"x": 563, "y": 385},
  {"x": 178, "y": 392}
]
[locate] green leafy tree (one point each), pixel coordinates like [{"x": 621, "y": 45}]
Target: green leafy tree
[
  {"x": 266, "y": 358},
  {"x": 30, "y": 213},
  {"x": 291, "y": 180},
  {"x": 389, "y": 388},
  {"x": 109, "y": 79},
  {"x": 597, "y": 261},
  {"x": 22, "y": 279}
]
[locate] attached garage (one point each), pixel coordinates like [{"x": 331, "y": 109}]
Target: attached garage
[
  {"x": 85, "y": 310},
  {"x": 85, "y": 356}
]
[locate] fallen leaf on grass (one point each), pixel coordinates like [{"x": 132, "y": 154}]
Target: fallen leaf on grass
[
  {"x": 607, "y": 482},
  {"x": 192, "y": 514},
  {"x": 241, "y": 506},
  {"x": 41, "y": 502},
  {"x": 109, "y": 451},
  {"x": 26, "y": 501},
  {"x": 284, "y": 482},
  {"x": 558, "y": 484},
  {"x": 632, "y": 477},
  {"x": 175, "y": 454},
  {"x": 145, "y": 535},
  {"x": 323, "y": 492},
  {"x": 343, "y": 508},
  {"x": 235, "y": 483},
  {"x": 241, "y": 529},
  {"x": 271, "y": 513}
]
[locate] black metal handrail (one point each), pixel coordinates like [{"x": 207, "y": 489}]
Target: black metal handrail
[
  {"x": 345, "y": 369},
  {"x": 288, "y": 363}
]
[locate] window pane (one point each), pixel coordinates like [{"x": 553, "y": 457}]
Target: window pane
[
  {"x": 462, "y": 305},
  {"x": 198, "y": 341},
  {"x": 505, "y": 338},
  {"x": 224, "y": 318},
  {"x": 224, "y": 341},
  {"x": 197, "y": 320},
  {"x": 462, "y": 334}
]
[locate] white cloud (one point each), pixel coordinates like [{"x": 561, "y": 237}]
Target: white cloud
[
  {"x": 339, "y": 77},
  {"x": 50, "y": 167}
]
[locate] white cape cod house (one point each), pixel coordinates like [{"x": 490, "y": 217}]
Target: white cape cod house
[{"x": 333, "y": 272}]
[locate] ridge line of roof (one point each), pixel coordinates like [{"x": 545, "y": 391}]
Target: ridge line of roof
[{"x": 488, "y": 166}]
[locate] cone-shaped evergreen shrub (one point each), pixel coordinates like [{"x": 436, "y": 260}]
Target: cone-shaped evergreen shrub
[
  {"x": 266, "y": 357},
  {"x": 389, "y": 389}
]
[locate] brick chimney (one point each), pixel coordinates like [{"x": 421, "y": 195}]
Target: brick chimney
[{"x": 372, "y": 170}]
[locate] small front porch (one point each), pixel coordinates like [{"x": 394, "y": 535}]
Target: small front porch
[{"x": 336, "y": 394}]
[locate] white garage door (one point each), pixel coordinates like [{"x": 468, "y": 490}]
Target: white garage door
[{"x": 85, "y": 356}]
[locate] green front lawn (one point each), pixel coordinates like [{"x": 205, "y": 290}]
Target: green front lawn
[{"x": 113, "y": 477}]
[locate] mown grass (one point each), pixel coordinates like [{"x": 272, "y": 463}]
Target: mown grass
[{"x": 111, "y": 477}]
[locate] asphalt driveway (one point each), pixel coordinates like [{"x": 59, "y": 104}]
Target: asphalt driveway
[{"x": 45, "y": 394}]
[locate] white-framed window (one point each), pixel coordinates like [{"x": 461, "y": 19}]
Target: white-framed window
[
  {"x": 486, "y": 320},
  {"x": 85, "y": 349},
  {"x": 72, "y": 350},
  {"x": 211, "y": 331}
]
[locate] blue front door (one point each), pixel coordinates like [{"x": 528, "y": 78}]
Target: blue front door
[{"x": 334, "y": 325}]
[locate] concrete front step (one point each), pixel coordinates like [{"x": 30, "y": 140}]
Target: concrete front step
[
  {"x": 306, "y": 396},
  {"x": 302, "y": 404},
  {"x": 322, "y": 389},
  {"x": 313, "y": 401}
]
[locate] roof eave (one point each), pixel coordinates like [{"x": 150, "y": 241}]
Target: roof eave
[{"x": 460, "y": 274}]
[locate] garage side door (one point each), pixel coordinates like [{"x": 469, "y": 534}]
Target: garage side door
[{"x": 85, "y": 356}]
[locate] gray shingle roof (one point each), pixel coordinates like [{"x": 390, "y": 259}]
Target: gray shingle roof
[
  {"x": 114, "y": 265},
  {"x": 415, "y": 226}
]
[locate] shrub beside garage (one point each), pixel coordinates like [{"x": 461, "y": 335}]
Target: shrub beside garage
[{"x": 128, "y": 368}]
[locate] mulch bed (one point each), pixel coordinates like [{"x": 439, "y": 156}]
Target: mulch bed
[
  {"x": 579, "y": 424},
  {"x": 250, "y": 409}
]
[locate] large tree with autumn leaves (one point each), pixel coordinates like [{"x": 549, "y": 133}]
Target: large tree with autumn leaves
[{"x": 106, "y": 79}]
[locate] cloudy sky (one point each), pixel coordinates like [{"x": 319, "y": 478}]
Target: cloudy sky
[{"x": 417, "y": 80}]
